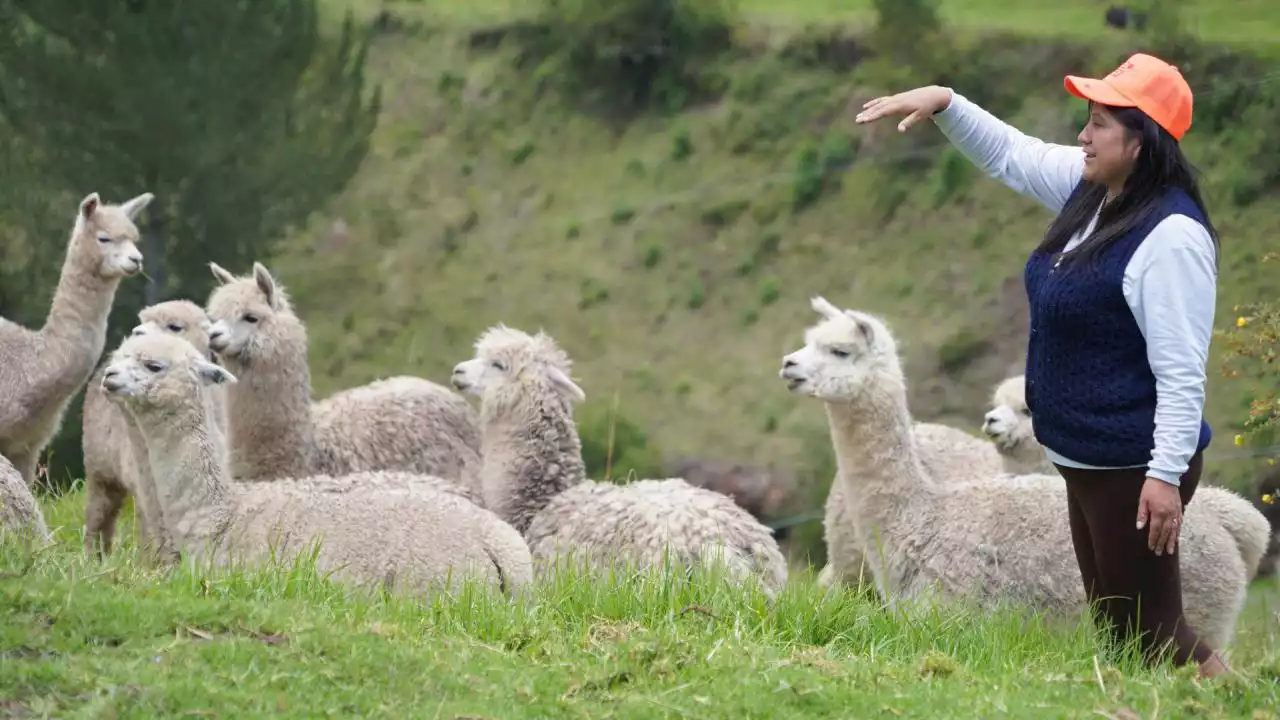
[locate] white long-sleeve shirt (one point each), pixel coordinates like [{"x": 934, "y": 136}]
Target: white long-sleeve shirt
[{"x": 1170, "y": 283}]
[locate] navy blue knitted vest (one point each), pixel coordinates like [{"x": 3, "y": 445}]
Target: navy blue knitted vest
[{"x": 1089, "y": 385}]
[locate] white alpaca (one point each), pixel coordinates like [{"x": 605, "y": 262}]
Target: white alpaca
[
  {"x": 392, "y": 530},
  {"x": 401, "y": 423},
  {"x": 1009, "y": 425},
  {"x": 950, "y": 455},
  {"x": 19, "y": 511},
  {"x": 989, "y": 539},
  {"x": 41, "y": 370},
  {"x": 113, "y": 455},
  {"x": 532, "y": 476}
]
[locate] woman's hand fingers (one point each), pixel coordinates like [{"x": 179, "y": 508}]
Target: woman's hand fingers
[
  {"x": 1175, "y": 527},
  {"x": 910, "y": 120}
]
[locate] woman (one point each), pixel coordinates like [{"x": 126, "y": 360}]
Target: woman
[{"x": 1121, "y": 291}]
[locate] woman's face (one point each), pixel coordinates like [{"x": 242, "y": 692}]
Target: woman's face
[{"x": 1109, "y": 151}]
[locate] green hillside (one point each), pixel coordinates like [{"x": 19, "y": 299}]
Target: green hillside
[{"x": 673, "y": 250}]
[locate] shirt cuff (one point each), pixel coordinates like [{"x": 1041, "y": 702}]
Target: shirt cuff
[{"x": 1173, "y": 479}]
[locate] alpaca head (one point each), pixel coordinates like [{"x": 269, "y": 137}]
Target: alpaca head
[
  {"x": 183, "y": 318},
  {"x": 250, "y": 316},
  {"x": 510, "y": 365},
  {"x": 1008, "y": 422},
  {"x": 106, "y": 235},
  {"x": 843, "y": 356},
  {"x": 160, "y": 371}
]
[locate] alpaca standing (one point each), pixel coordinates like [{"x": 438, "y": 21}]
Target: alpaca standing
[
  {"x": 393, "y": 530},
  {"x": 948, "y": 454},
  {"x": 19, "y": 511},
  {"x": 275, "y": 431},
  {"x": 988, "y": 539},
  {"x": 1012, "y": 432},
  {"x": 532, "y": 476},
  {"x": 113, "y": 453},
  {"x": 41, "y": 370}
]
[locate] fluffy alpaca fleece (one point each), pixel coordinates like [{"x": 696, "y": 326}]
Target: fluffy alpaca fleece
[
  {"x": 113, "y": 453},
  {"x": 989, "y": 539},
  {"x": 1009, "y": 425},
  {"x": 533, "y": 477},
  {"x": 950, "y": 455},
  {"x": 19, "y": 511},
  {"x": 275, "y": 431},
  {"x": 41, "y": 370},
  {"x": 387, "y": 529}
]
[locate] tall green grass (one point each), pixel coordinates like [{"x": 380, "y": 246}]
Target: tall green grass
[{"x": 113, "y": 639}]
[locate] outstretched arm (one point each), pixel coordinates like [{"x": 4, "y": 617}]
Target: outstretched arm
[{"x": 1045, "y": 171}]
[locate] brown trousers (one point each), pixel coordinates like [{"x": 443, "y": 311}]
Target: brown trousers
[{"x": 1132, "y": 587}]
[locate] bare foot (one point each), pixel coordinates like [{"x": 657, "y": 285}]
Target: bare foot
[{"x": 1214, "y": 666}]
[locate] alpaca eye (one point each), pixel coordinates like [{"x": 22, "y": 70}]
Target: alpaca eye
[
  {"x": 251, "y": 318},
  {"x": 842, "y": 354},
  {"x": 104, "y": 239},
  {"x": 499, "y": 366},
  {"x": 174, "y": 327},
  {"x": 154, "y": 366}
]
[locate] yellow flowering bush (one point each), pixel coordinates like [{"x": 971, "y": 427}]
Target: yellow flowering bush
[{"x": 1250, "y": 350}]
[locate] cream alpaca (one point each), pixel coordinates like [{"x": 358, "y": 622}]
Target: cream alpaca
[
  {"x": 113, "y": 454},
  {"x": 19, "y": 511},
  {"x": 989, "y": 539},
  {"x": 388, "y": 529},
  {"x": 948, "y": 454},
  {"x": 401, "y": 423},
  {"x": 41, "y": 370},
  {"x": 533, "y": 477},
  {"x": 1009, "y": 425}
]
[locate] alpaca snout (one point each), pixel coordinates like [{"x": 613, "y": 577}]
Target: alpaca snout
[
  {"x": 112, "y": 382},
  {"x": 459, "y": 377},
  {"x": 218, "y": 338},
  {"x": 133, "y": 263}
]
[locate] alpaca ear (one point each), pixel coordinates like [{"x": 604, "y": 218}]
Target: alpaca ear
[
  {"x": 824, "y": 308},
  {"x": 220, "y": 274},
  {"x": 865, "y": 328},
  {"x": 266, "y": 284},
  {"x": 563, "y": 382},
  {"x": 211, "y": 374},
  {"x": 137, "y": 205},
  {"x": 89, "y": 205}
]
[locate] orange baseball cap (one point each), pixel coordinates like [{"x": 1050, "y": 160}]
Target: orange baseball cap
[{"x": 1148, "y": 83}]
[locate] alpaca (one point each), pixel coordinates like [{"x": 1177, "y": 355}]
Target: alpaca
[
  {"x": 532, "y": 476},
  {"x": 113, "y": 454},
  {"x": 989, "y": 539},
  {"x": 1009, "y": 425},
  {"x": 393, "y": 530},
  {"x": 41, "y": 370},
  {"x": 275, "y": 431},
  {"x": 19, "y": 511},
  {"x": 949, "y": 454}
]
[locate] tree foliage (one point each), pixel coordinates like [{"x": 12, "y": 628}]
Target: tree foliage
[{"x": 239, "y": 115}]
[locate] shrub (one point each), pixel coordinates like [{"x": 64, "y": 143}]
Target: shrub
[
  {"x": 637, "y": 52},
  {"x": 1251, "y": 352}
]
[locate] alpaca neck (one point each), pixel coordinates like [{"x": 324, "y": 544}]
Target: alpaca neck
[
  {"x": 530, "y": 453},
  {"x": 269, "y": 424},
  {"x": 188, "y": 473},
  {"x": 878, "y": 460},
  {"x": 76, "y": 328}
]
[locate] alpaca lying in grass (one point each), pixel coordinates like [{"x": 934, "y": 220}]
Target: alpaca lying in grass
[
  {"x": 393, "y": 530},
  {"x": 533, "y": 477},
  {"x": 996, "y": 538},
  {"x": 113, "y": 454},
  {"x": 1009, "y": 425},
  {"x": 41, "y": 370},
  {"x": 19, "y": 511},
  {"x": 275, "y": 431}
]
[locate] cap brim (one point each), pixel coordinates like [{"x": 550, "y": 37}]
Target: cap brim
[{"x": 1096, "y": 90}]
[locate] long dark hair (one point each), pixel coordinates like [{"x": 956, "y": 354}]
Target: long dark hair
[{"x": 1160, "y": 165}]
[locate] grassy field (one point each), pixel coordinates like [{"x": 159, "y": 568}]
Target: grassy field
[
  {"x": 668, "y": 253},
  {"x": 82, "y": 639}
]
